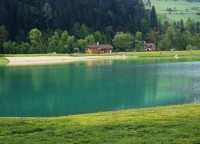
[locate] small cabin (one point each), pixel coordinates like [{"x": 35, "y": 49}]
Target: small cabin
[
  {"x": 98, "y": 49},
  {"x": 149, "y": 46}
]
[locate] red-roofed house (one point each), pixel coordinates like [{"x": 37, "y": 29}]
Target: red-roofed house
[{"x": 97, "y": 49}]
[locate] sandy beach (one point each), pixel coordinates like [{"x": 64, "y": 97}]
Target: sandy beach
[{"x": 55, "y": 59}]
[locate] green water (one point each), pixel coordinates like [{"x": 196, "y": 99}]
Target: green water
[{"x": 93, "y": 86}]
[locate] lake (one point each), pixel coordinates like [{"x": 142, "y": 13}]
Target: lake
[{"x": 98, "y": 85}]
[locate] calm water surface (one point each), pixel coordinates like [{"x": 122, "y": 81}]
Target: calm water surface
[{"x": 84, "y": 87}]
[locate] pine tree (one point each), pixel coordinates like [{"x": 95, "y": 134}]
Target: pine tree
[
  {"x": 3, "y": 37},
  {"x": 198, "y": 29},
  {"x": 153, "y": 19},
  {"x": 182, "y": 29}
]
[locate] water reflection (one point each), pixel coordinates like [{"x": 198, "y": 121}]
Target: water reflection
[
  {"x": 97, "y": 62},
  {"x": 83, "y": 87}
]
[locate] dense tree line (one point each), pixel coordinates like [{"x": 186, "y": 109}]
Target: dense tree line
[
  {"x": 81, "y": 18},
  {"x": 181, "y": 36},
  {"x": 20, "y": 16}
]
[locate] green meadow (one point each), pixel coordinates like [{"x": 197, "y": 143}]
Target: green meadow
[
  {"x": 163, "y": 53},
  {"x": 138, "y": 54},
  {"x": 181, "y": 9},
  {"x": 171, "y": 124}
]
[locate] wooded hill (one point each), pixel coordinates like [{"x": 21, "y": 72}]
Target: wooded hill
[{"x": 108, "y": 16}]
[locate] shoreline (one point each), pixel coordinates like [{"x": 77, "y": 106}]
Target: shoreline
[
  {"x": 32, "y": 59},
  {"x": 13, "y": 61}
]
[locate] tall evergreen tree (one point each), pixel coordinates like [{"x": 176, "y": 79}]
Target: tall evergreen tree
[
  {"x": 153, "y": 19},
  {"x": 53, "y": 42},
  {"x": 3, "y": 37},
  {"x": 182, "y": 28},
  {"x": 198, "y": 29}
]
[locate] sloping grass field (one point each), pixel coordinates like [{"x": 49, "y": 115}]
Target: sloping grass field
[
  {"x": 171, "y": 124},
  {"x": 181, "y": 9}
]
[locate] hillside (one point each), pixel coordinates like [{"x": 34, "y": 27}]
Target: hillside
[
  {"x": 20, "y": 16},
  {"x": 175, "y": 10}
]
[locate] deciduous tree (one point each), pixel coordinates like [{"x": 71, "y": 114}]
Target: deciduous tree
[
  {"x": 90, "y": 39},
  {"x": 154, "y": 37},
  {"x": 168, "y": 41},
  {"x": 62, "y": 44},
  {"x": 70, "y": 44},
  {"x": 123, "y": 42},
  {"x": 98, "y": 37},
  {"x": 53, "y": 42},
  {"x": 82, "y": 43},
  {"x": 35, "y": 37},
  {"x": 138, "y": 41},
  {"x": 10, "y": 47},
  {"x": 23, "y": 48}
]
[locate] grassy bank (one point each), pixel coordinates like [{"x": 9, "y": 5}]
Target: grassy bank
[
  {"x": 139, "y": 54},
  {"x": 163, "y": 53},
  {"x": 172, "y": 124},
  {"x": 3, "y": 60}
]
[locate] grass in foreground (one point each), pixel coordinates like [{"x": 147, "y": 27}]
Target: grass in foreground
[{"x": 172, "y": 124}]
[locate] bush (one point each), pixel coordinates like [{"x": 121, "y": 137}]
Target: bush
[
  {"x": 23, "y": 48},
  {"x": 9, "y": 47},
  {"x": 190, "y": 47}
]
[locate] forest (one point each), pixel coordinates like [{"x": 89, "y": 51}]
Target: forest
[
  {"x": 79, "y": 18},
  {"x": 20, "y": 16},
  {"x": 46, "y": 26}
]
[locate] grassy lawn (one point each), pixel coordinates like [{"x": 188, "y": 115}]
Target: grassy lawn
[
  {"x": 171, "y": 124},
  {"x": 139, "y": 54},
  {"x": 155, "y": 54},
  {"x": 162, "y": 53},
  {"x": 184, "y": 9}
]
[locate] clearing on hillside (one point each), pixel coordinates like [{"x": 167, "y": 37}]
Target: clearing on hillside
[{"x": 175, "y": 10}]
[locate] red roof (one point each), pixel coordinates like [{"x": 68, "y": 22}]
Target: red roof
[{"x": 102, "y": 46}]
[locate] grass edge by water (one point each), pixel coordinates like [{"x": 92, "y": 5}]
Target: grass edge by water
[
  {"x": 139, "y": 54},
  {"x": 3, "y": 60}
]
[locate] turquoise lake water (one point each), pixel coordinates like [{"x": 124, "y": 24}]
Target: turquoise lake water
[{"x": 93, "y": 86}]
